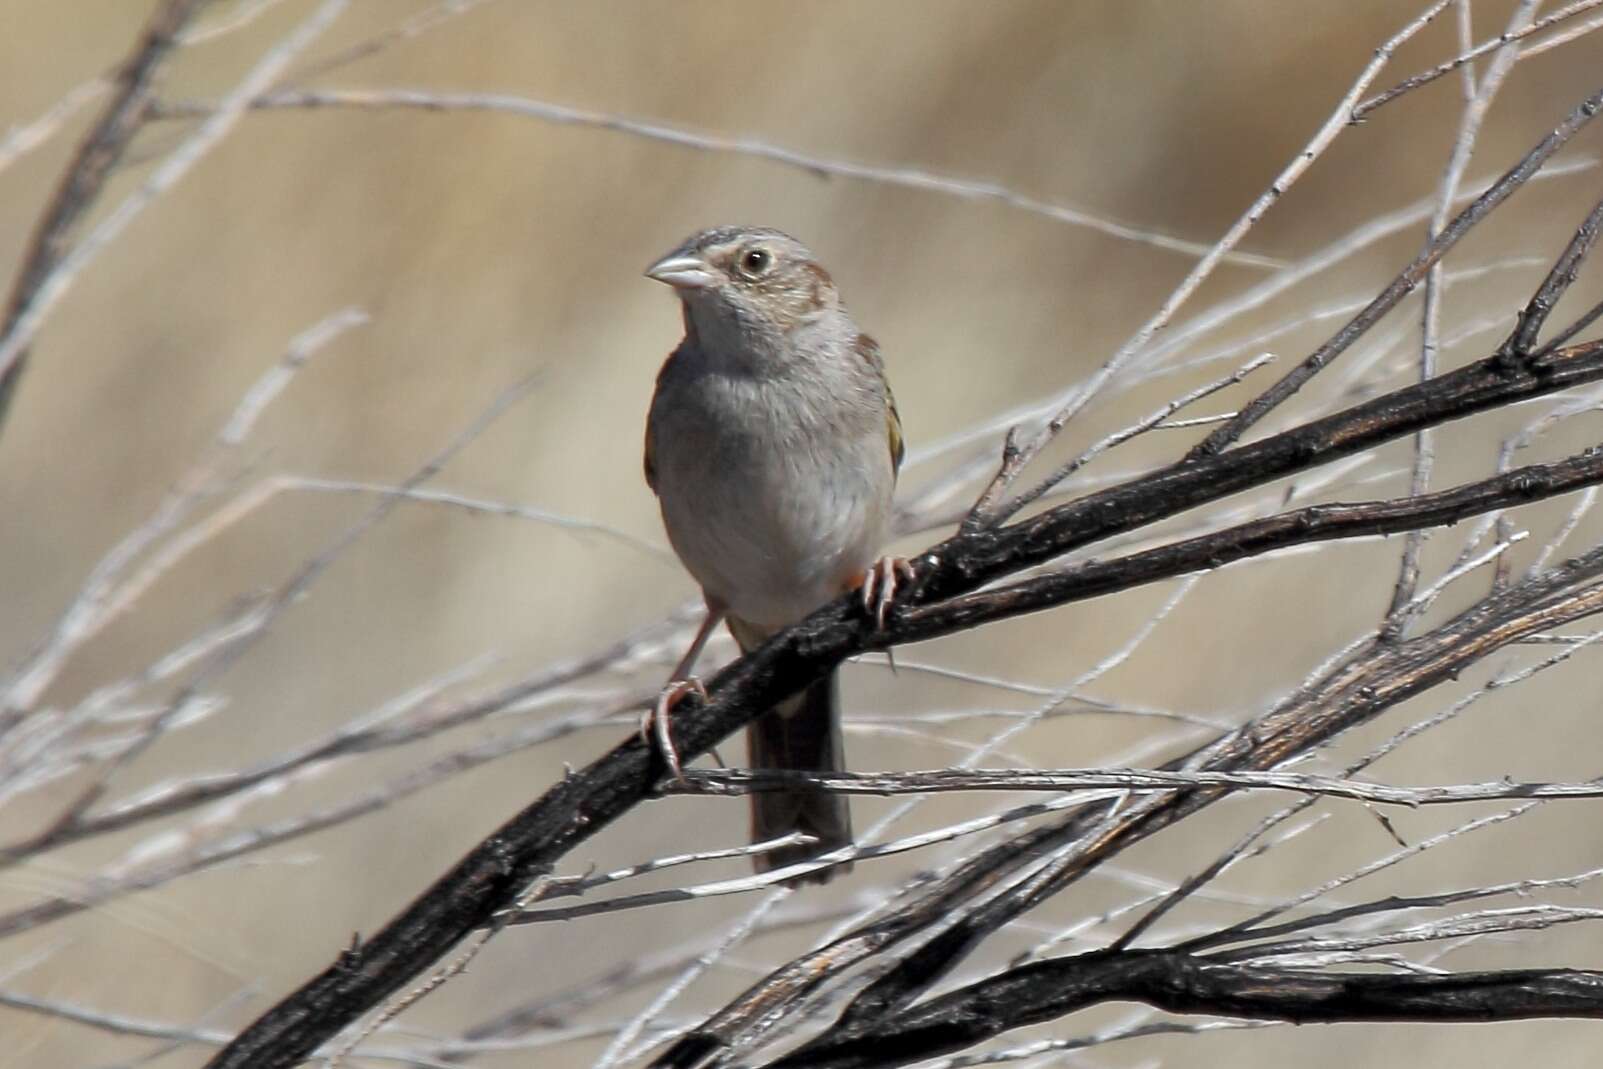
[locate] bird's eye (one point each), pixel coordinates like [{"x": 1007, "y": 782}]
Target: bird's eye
[{"x": 754, "y": 262}]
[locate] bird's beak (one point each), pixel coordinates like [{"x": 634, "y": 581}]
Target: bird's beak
[{"x": 682, "y": 272}]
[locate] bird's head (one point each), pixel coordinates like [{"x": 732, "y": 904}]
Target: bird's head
[{"x": 747, "y": 279}]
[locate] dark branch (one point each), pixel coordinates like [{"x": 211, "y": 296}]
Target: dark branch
[
  {"x": 1591, "y": 316},
  {"x": 1522, "y": 342},
  {"x": 1181, "y": 983},
  {"x": 970, "y": 561},
  {"x": 1316, "y": 523},
  {"x": 1352, "y": 694},
  {"x": 726, "y": 782},
  {"x": 88, "y": 170}
]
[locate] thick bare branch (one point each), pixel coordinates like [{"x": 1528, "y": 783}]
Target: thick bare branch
[
  {"x": 1181, "y": 983},
  {"x": 738, "y": 781}
]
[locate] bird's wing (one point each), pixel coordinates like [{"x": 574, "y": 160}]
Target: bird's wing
[
  {"x": 868, "y": 349},
  {"x": 651, "y": 466},
  {"x": 651, "y": 418}
]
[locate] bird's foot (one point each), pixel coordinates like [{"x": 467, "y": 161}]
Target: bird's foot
[
  {"x": 654, "y": 722},
  {"x": 880, "y": 584}
]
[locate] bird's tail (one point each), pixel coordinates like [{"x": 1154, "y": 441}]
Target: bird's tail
[{"x": 801, "y": 733}]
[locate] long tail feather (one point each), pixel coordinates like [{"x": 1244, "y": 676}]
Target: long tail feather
[{"x": 802, "y": 733}]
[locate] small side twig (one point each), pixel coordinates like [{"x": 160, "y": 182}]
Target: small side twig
[
  {"x": 86, "y": 176},
  {"x": 1404, "y": 283}
]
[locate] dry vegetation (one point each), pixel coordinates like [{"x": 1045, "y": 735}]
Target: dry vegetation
[{"x": 1256, "y": 342}]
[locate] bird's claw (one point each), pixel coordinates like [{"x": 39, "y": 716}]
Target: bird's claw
[
  {"x": 654, "y": 722},
  {"x": 879, "y": 586}
]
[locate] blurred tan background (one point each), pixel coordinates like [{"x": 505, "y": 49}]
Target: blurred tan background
[{"x": 486, "y": 247}]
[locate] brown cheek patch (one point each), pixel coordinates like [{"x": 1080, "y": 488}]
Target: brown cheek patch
[{"x": 821, "y": 281}]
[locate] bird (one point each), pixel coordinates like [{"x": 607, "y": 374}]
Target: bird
[{"x": 773, "y": 445}]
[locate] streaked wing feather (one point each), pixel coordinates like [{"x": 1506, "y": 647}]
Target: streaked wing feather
[{"x": 868, "y": 349}]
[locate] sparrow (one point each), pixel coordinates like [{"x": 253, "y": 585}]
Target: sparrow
[{"x": 773, "y": 445}]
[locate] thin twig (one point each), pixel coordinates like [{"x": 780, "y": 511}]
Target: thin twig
[
  {"x": 104, "y": 594},
  {"x": 822, "y": 167},
  {"x": 1478, "y": 103},
  {"x": 1404, "y": 283},
  {"x": 986, "y": 510},
  {"x": 52, "y": 269},
  {"x": 1408, "y": 85}
]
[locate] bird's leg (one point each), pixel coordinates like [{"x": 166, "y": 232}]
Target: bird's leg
[
  {"x": 654, "y": 724},
  {"x": 878, "y": 586}
]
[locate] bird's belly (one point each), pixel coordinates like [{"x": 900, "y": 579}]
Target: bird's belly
[{"x": 772, "y": 533}]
